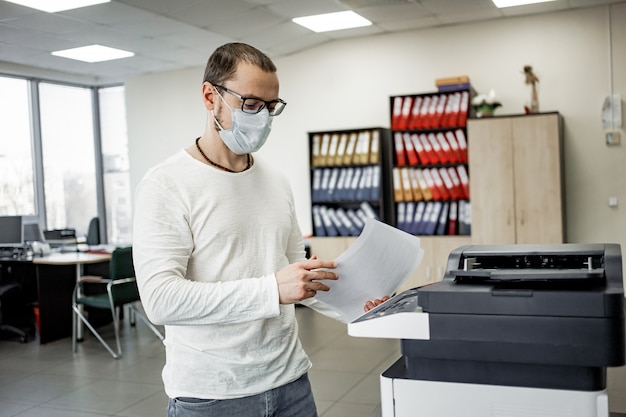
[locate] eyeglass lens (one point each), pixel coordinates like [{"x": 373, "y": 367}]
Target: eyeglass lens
[{"x": 255, "y": 105}]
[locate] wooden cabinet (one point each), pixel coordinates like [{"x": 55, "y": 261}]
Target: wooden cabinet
[
  {"x": 433, "y": 265},
  {"x": 328, "y": 248},
  {"x": 516, "y": 183}
]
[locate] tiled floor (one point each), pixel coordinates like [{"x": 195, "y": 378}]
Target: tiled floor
[{"x": 50, "y": 381}]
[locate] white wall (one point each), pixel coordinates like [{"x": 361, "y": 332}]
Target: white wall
[{"x": 347, "y": 84}]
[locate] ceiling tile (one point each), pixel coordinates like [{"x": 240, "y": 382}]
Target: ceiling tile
[
  {"x": 256, "y": 20},
  {"x": 107, "y": 13},
  {"x": 299, "y": 8},
  {"x": 53, "y": 24},
  {"x": 159, "y": 6},
  {"x": 456, "y": 6},
  {"x": 196, "y": 38},
  {"x": 10, "y": 11},
  {"x": 410, "y": 24},
  {"x": 276, "y": 35},
  {"x": 380, "y": 14}
]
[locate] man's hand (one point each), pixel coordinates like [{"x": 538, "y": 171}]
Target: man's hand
[
  {"x": 371, "y": 304},
  {"x": 300, "y": 280}
]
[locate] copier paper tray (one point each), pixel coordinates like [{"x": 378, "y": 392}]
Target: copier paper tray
[{"x": 528, "y": 315}]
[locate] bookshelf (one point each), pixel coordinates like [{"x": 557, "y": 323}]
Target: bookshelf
[
  {"x": 349, "y": 180},
  {"x": 430, "y": 177}
]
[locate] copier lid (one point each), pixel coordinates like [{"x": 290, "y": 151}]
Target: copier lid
[{"x": 576, "y": 280}]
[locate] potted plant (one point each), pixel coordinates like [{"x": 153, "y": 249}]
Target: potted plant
[{"x": 485, "y": 104}]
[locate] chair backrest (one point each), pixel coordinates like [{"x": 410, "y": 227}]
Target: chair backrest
[
  {"x": 122, "y": 263},
  {"x": 93, "y": 232}
]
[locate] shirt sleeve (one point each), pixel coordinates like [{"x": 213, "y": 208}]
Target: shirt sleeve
[{"x": 162, "y": 244}]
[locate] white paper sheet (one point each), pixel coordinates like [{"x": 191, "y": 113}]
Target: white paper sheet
[{"x": 375, "y": 265}]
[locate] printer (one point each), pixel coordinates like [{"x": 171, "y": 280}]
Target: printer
[{"x": 510, "y": 331}]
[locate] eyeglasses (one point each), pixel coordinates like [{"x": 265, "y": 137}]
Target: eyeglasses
[{"x": 253, "y": 105}]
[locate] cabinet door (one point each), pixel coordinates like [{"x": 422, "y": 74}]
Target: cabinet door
[
  {"x": 441, "y": 248},
  {"x": 424, "y": 273},
  {"x": 328, "y": 248},
  {"x": 490, "y": 149},
  {"x": 537, "y": 162},
  {"x": 433, "y": 265}
]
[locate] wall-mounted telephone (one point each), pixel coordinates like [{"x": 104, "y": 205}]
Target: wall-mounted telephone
[
  {"x": 612, "y": 118},
  {"x": 612, "y": 112}
]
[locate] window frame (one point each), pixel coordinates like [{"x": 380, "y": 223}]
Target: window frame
[{"x": 33, "y": 84}]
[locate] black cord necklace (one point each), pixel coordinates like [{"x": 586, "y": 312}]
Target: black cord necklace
[{"x": 215, "y": 164}]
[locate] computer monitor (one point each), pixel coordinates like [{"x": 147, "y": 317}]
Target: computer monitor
[
  {"x": 11, "y": 231},
  {"x": 32, "y": 233}
]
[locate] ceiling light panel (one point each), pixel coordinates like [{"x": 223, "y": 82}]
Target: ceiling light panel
[
  {"x": 53, "y": 6},
  {"x": 93, "y": 53},
  {"x": 332, "y": 21},
  {"x": 511, "y": 3}
]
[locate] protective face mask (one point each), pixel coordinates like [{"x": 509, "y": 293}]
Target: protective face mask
[{"x": 248, "y": 132}]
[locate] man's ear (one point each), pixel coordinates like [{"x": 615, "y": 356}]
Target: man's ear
[{"x": 208, "y": 96}]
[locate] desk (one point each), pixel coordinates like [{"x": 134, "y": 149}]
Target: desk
[
  {"x": 53, "y": 278},
  {"x": 75, "y": 260}
]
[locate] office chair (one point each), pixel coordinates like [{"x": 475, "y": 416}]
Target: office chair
[
  {"x": 11, "y": 290},
  {"x": 93, "y": 232},
  {"x": 121, "y": 290}
]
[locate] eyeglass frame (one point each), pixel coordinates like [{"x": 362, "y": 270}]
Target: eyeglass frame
[{"x": 265, "y": 105}]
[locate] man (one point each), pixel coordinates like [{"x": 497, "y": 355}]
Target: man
[{"x": 219, "y": 256}]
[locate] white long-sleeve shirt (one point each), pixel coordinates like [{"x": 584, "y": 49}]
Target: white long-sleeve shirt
[{"x": 206, "y": 244}]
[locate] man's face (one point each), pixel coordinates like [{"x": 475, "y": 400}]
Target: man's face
[{"x": 249, "y": 81}]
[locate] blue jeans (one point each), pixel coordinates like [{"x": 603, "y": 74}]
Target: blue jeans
[{"x": 291, "y": 400}]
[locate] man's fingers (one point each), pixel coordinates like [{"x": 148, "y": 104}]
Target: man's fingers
[
  {"x": 318, "y": 286},
  {"x": 315, "y": 263},
  {"x": 318, "y": 275}
]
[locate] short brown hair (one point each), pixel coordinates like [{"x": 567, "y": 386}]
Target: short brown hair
[{"x": 222, "y": 63}]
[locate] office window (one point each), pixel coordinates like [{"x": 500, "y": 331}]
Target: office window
[
  {"x": 116, "y": 176},
  {"x": 17, "y": 187},
  {"x": 67, "y": 139}
]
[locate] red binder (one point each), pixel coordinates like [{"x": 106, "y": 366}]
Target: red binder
[
  {"x": 456, "y": 106},
  {"x": 452, "y": 218},
  {"x": 421, "y": 120},
  {"x": 441, "y": 188},
  {"x": 432, "y": 110},
  {"x": 410, "y": 151},
  {"x": 446, "y": 153},
  {"x": 445, "y": 120},
  {"x": 419, "y": 149},
  {"x": 451, "y": 190},
  {"x": 441, "y": 106},
  {"x": 399, "y": 147},
  {"x": 431, "y": 158},
  {"x": 455, "y": 152},
  {"x": 456, "y": 183},
  {"x": 405, "y": 113},
  {"x": 396, "y": 112},
  {"x": 464, "y": 181},
  {"x": 415, "y": 112}
]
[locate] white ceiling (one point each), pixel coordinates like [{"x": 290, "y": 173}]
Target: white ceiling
[{"x": 175, "y": 34}]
